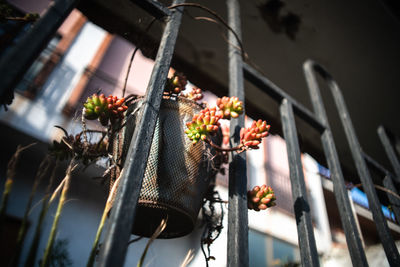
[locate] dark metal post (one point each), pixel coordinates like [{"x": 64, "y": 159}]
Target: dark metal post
[
  {"x": 393, "y": 196},
  {"x": 238, "y": 254},
  {"x": 114, "y": 248},
  {"x": 389, "y": 151},
  {"x": 18, "y": 59},
  {"x": 363, "y": 172},
  {"x": 342, "y": 199},
  {"x": 308, "y": 249}
]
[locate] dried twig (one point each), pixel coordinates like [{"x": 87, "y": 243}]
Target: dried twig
[
  {"x": 41, "y": 172},
  {"x": 63, "y": 197},
  {"x": 221, "y": 21},
  {"x": 213, "y": 222},
  {"x": 106, "y": 210},
  {"x": 158, "y": 231},
  {"x": 240, "y": 148},
  {"x": 30, "y": 261},
  {"x": 133, "y": 56},
  {"x": 11, "y": 171},
  {"x": 218, "y": 17},
  {"x": 382, "y": 189}
]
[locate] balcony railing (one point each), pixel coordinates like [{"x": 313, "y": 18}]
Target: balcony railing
[{"x": 114, "y": 248}]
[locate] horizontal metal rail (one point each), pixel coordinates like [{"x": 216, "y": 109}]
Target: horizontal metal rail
[{"x": 278, "y": 94}]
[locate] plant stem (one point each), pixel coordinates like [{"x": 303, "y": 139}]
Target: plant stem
[
  {"x": 239, "y": 148},
  {"x": 4, "y": 200},
  {"x": 157, "y": 232},
  {"x": 97, "y": 239},
  {"x": 61, "y": 202},
  {"x": 11, "y": 171},
  {"x": 42, "y": 170},
  {"x": 30, "y": 261}
]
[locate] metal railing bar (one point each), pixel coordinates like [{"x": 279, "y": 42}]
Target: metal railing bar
[
  {"x": 363, "y": 172},
  {"x": 237, "y": 243},
  {"x": 154, "y": 8},
  {"x": 278, "y": 94},
  {"x": 394, "y": 201},
  {"x": 308, "y": 249},
  {"x": 116, "y": 239},
  {"x": 375, "y": 164},
  {"x": 388, "y": 184},
  {"x": 349, "y": 224},
  {"x": 20, "y": 57},
  {"x": 389, "y": 151}
]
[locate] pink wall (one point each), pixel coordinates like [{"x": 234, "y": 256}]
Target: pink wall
[{"x": 112, "y": 70}]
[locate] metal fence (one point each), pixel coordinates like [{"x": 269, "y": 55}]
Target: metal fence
[{"x": 114, "y": 247}]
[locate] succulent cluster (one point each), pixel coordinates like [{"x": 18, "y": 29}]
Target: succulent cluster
[
  {"x": 261, "y": 198},
  {"x": 229, "y": 107},
  {"x": 70, "y": 145},
  {"x": 251, "y": 137},
  {"x": 203, "y": 125},
  {"x": 195, "y": 94},
  {"x": 175, "y": 84},
  {"x": 104, "y": 108}
]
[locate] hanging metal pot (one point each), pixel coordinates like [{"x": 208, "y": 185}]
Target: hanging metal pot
[{"x": 178, "y": 172}]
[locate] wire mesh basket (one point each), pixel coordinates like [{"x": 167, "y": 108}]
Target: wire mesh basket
[{"x": 177, "y": 174}]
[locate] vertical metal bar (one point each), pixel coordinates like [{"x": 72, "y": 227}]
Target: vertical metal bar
[
  {"x": 17, "y": 60},
  {"x": 117, "y": 236},
  {"x": 390, "y": 188},
  {"x": 394, "y": 200},
  {"x": 363, "y": 172},
  {"x": 389, "y": 151},
  {"x": 308, "y": 249},
  {"x": 388, "y": 180},
  {"x": 354, "y": 242},
  {"x": 237, "y": 212}
]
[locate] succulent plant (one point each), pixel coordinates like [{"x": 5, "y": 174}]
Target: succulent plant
[
  {"x": 251, "y": 137},
  {"x": 203, "y": 125},
  {"x": 261, "y": 198},
  {"x": 105, "y": 109},
  {"x": 229, "y": 107},
  {"x": 175, "y": 84},
  {"x": 195, "y": 94}
]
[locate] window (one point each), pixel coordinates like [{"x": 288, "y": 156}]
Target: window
[
  {"x": 37, "y": 74},
  {"x": 265, "y": 250}
]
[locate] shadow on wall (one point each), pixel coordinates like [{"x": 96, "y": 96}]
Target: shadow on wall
[{"x": 279, "y": 21}]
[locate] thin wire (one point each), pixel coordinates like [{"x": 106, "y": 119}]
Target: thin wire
[{"x": 133, "y": 56}]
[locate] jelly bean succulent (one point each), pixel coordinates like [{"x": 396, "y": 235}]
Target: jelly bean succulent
[
  {"x": 261, "y": 198},
  {"x": 203, "y": 125},
  {"x": 176, "y": 84},
  {"x": 229, "y": 107},
  {"x": 195, "y": 94},
  {"x": 104, "y": 109},
  {"x": 251, "y": 137},
  {"x": 206, "y": 124}
]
